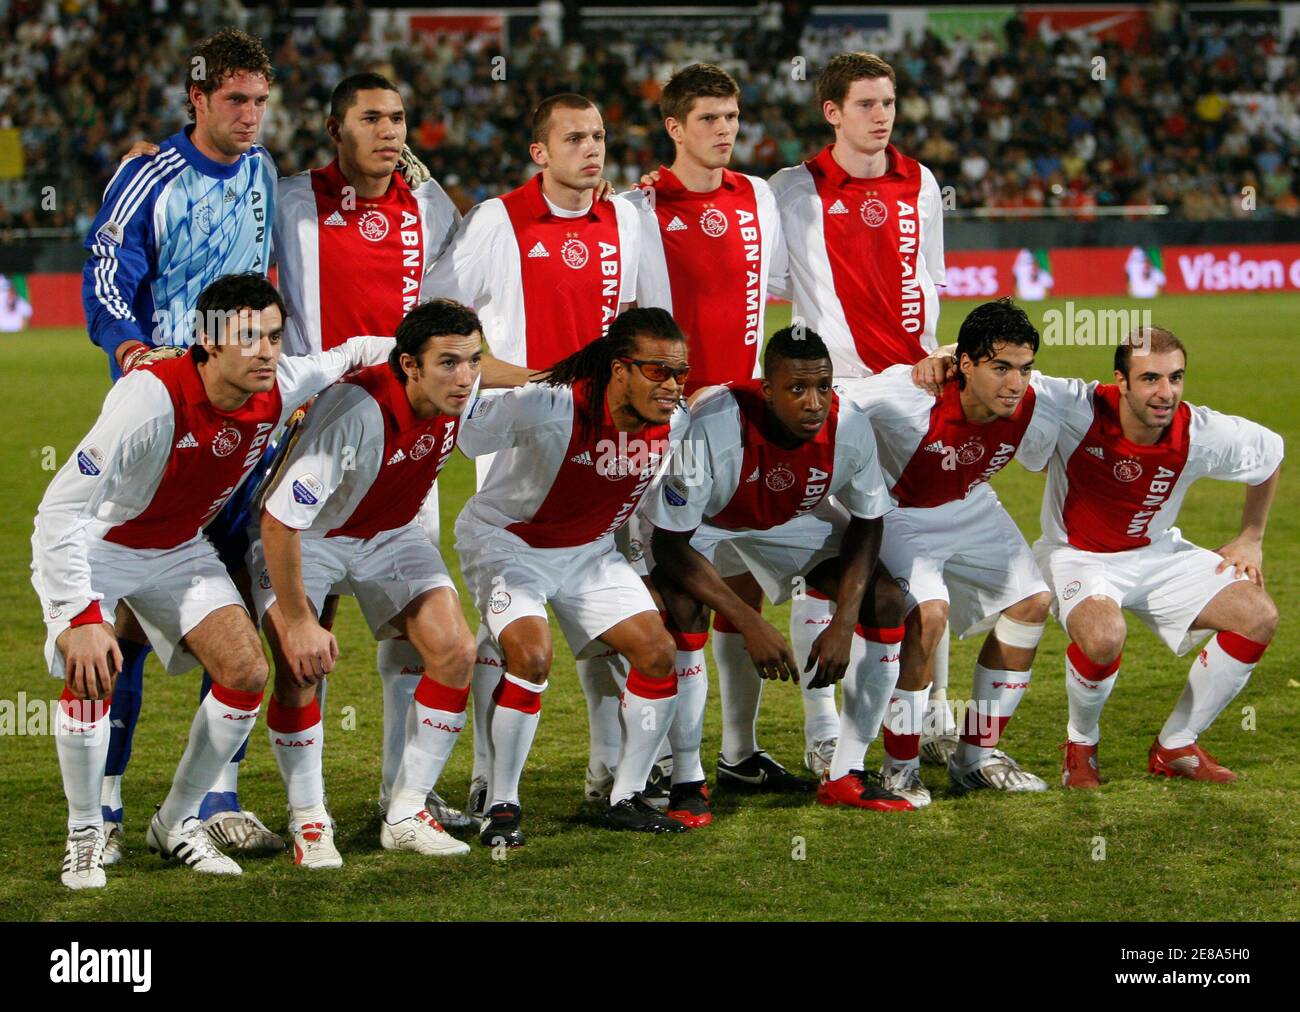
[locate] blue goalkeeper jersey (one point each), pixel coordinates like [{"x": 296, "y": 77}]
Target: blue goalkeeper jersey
[{"x": 170, "y": 225}]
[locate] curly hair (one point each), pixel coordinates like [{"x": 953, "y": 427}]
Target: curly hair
[{"x": 219, "y": 56}]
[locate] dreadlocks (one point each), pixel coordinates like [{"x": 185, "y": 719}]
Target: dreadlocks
[{"x": 594, "y": 362}]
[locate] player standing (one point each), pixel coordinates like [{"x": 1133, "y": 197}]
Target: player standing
[
  {"x": 548, "y": 266},
  {"x": 171, "y": 223},
  {"x": 575, "y": 454},
  {"x": 344, "y": 509},
  {"x": 122, "y": 521},
  {"x": 1127, "y": 454}
]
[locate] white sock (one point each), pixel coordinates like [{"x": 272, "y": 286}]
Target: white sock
[
  {"x": 938, "y": 714},
  {"x": 868, "y": 685},
  {"x": 400, "y": 668},
  {"x": 298, "y": 747},
  {"x": 740, "y": 689},
  {"x": 995, "y": 695},
  {"x": 649, "y": 705},
  {"x": 110, "y": 795},
  {"x": 488, "y": 667},
  {"x": 687, "y": 729},
  {"x": 81, "y": 738},
  {"x": 223, "y": 720},
  {"x": 1087, "y": 686},
  {"x": 434, "y": 721},
  {"x": 1219, "y": 672},
  {"x": 228, "y": 781},
  {"x": 602, "y": 678},
  {"x": 513, "y": 725},
  {"x": 903, "y": 726},
  {"x": 809, "y": 615}
]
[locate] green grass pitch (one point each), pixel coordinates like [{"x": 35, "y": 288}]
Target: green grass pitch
[{"x": 1139, "y": 848}]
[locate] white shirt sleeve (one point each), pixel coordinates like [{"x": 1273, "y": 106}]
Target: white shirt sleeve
[
  {"x": 683, "y": 499},
  {"x": 123, "y": 455},
  {"x": 778, "y": 258},
  {"x": 302, "y": 377},
  {"x": 932, "y": 228},
  {"x": 503, "y": 420},
  {"x": 1236, "y": 449},
  {"x": 1055, "y": 398},
  {"x": 865, "y": 496},
  {"x": 463, "y": 269},
  {"x": 629, "y": 241},
  {"x": 438, "y": 216},
  {"x": 888, "y": 395},
  {"x": 336, "y": 455}
]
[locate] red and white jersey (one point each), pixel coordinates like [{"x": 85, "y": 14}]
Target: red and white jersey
[
  {"x": 365, "y": 461},
  {"x": 932, "y": 455},
  {"x": 545, "y": 282},
  {"x": 1106, "y": 494},
  {"x": 708, "y": 258},
  {"x": 553, "y": 485},
  {"x": 161, "y": 461},
  {"x": 865, "y": 257},
  {"x": 731, "y": 472},
  {"x": 351, "y": 265}
]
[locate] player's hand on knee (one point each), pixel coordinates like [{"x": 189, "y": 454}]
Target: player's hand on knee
[
  {"x": 311, "y": 651},
  {"x": 770, "y": 653},
  {"x": 1246, "y": 557},
  {"x": 141, "y": 148},
  {"x": 92, "y": 660},
  {"x": 828, "y": 658}
]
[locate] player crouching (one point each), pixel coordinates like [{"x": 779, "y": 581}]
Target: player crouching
[
  {"x": 758, "y": 465},
  {"x": 344, "y": 509},
  {"x": 122, "y": 521},
  {"x": 575, "y": 455},
  {"x": 1126, "y": 456}
]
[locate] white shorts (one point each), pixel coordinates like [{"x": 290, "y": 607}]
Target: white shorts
[
  {"x": 1166, "y": 584},
  {"x": 969, "y": 553},
  {"x": 590, "y": 589},
  {"x": 384, "y": 573},
  {"x": 634, "y": 541},
  {"x": 170, "y": 590}
]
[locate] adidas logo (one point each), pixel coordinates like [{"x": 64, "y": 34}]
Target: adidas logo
[
  {"x": 935, "y": 447},
  {"x": 229, "y": 198},
  {"x": 187, "y": 442},
  {"x": 336, "y": 219},
  {"x": 397, "y": 457},
  {"x": 676, "y": 225},
  {"x": 1096, "y": 452},
  {"x": 752, "y": 477},
  {"x": 580, "y": 458},
  {"x": 838, "y": 208},
  {"x": 538, "y": 251}
]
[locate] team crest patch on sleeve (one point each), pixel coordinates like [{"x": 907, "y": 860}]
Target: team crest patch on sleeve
[
  {"x": 109, "y": 234},
  {"x": 675, "y": 492},
  {"x": 90, "y": 461},
  {"x": 307, "y": 490}
]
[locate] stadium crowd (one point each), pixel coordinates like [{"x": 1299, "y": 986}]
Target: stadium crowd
[{"x": 1013, "y": 121}]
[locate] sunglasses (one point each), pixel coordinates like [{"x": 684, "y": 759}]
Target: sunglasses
[{"x": 658, "y": 372}]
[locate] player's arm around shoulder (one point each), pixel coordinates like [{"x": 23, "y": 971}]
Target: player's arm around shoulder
[
  {"x": 511, "y": 418},
  {"x": 302, "y": 377}
]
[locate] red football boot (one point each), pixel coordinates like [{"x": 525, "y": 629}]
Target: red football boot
[
  {"x": 861, "y": 790},
  {"x": 1080, "y": 766},
  {"x": 1190, "y": 761},
  {"x": 689, "y": 804}
]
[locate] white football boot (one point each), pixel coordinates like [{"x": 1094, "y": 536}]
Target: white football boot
[
  {"x": 422, "y": 834},
  {"x": 242, "y": 832},
  {"x": 313, "y": 845},
  {"x": 996, "y": 771},
  {"x": 597, "y": 785},
  {"x": 83, "y": 859},
  {"x": 112, "y": 843},
  {"x": 905, "y": 781},
  {"x": 191, "y": 845},
  {"x": 476, "y": 805},
  {"x": 937, "y": 749},
  {"x": 817, "y": 759}
]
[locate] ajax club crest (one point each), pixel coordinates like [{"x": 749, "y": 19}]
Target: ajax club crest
[
  {"x": 874, "y": 212},
  {"x": 779, "y": 478},
  {"x": 574, "y": 253},
  {"x": 373, "y": 225},
  {"x": 226, "y": 441},
  {"x": 713, "y": 223},
  {"x": 1128, "y": 470},
  {"x": 970, "y": 452}
]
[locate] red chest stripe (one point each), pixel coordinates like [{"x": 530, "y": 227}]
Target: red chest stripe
[
  {"x": 777, "y": 483},
  {"x": 212, "y": 452},
  {"x": 371, "y": 256},
  {"x": 415, "y": 450},
  {"x": 955, "y": 455},
  {"x": 873, "y": 240},
  {"x": 571, "y": 272},
  {"x": 599, "y": 484},
  {"x": 1115, "y": 486}
]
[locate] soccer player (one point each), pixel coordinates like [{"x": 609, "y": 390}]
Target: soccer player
[
  {"x": 344, "y": 509},
  {"x": 575, "y": 455},
  {"x": 122, "y": 522},
  {"x": 952, "y": 546},
  {"x": 200, "y": 207},
  {"x": 863, "y": 226},
  {"x": 548, "y": 266},
  {"x": 1127, "y": 453},
  {"x": 758, "y": 465},
  {"x": 711, "y": 249}
]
